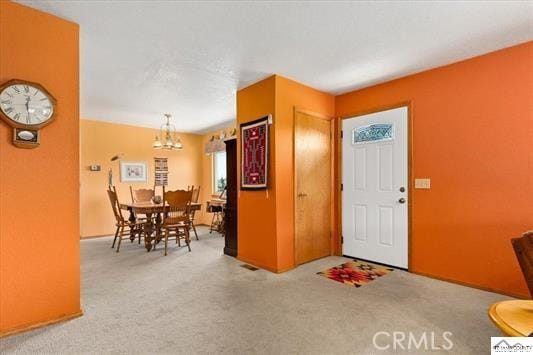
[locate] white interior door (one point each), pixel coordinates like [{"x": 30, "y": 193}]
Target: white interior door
[{"x": 375, "y": 187}]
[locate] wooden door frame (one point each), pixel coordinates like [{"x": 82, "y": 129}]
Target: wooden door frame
[
  {"x": 333, "y": 224},
  {"x": 410, "y": 164}
]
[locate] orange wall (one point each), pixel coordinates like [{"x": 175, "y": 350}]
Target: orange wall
[
  {"x": 102, "y": 140},
  {"x": 39, "y": 199},
  {"x": 266, "y": 217},
  {"x": 257, "y": 209},
  {"x": 291, "y": 95},
  {"x": 472, "y": 125},
  {"x": 207, "y": 176},
  {"x": 207, "y": 181}
]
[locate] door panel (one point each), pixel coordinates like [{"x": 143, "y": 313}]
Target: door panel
[
  {"x": 360, "y": 222},
  {"x": 374, "y": 165},
  {"x": 385, "y": 225},
  {"x": 385, "y": 167},
  {"x": 360, "y": 169},
  {"x": 312, "y": 154}
]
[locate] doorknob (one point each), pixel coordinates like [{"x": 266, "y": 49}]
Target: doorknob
[
  {"x": 301, "y": 194},
  {"x": 401, "y": 200}
]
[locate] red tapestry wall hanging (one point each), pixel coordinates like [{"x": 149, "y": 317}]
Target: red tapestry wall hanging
[{"x": 254, "y": 154}]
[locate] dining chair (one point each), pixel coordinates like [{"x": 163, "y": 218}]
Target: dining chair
[
  {"x": 513, "y": 317},
  {"x": 124, "y": 226},
  {"x": 176, "y": 219},
  {"x": 141, "y": 195},
  {"x": 195, "y": 198},
  {"x": 523, "y": 248}
]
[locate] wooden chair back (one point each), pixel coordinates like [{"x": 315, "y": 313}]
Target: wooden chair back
[
  {"x": 141, "y": 195},
  {"x": 115, "y": 204},
  {"x": 523, "y": 248},
  {"x": 195, "y": 194},
  {"x": 177, "y": 205}
]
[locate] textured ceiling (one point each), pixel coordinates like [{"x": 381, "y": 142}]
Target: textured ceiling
[{"x": 140, "y": 59}]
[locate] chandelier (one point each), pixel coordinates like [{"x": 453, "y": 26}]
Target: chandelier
[{"x": 169, "y": 137}]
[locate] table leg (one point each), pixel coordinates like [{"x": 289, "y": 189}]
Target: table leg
[
  {"x": 158, "y": 227},
  {"x": 132, "y": 221},
  {"x": 148, "y": 230}
]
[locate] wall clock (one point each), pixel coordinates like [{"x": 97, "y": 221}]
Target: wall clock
[{"x": 27, "y": 107}]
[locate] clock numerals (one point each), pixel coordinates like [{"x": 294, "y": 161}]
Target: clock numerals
[{"x": 25, "y": 105}]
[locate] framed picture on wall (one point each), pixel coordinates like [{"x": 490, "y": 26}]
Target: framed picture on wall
[
  {"x": 254, "y": 154},
  {"x": 132, "y": 171}
]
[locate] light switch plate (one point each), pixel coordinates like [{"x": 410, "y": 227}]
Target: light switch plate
[{"x": 422, "y": 183}]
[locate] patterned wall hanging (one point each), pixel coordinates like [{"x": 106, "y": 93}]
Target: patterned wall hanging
[
  {"x": 161, "y": 171},
  {"x": 254, "y": 154}
]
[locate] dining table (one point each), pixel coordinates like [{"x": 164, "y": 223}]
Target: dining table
[{"x": 152, "y": 226}]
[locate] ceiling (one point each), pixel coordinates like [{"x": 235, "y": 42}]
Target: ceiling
[{"x": 140, "y": 59}]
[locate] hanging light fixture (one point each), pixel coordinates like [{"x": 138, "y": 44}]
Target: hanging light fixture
[{"x": 169, "y": 137}]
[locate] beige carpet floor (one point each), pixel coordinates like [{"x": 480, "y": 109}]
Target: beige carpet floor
[{"x": 204, "y": 302}]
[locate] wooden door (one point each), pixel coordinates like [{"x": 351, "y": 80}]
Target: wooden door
[{"x": 313, "y": 186}]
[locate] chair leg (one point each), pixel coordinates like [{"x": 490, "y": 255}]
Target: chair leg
[
  {"x": 187, "y": 238},
  {"x": 217, "y": 221},
  {"x": 178, "y": 237},
  {"x": 166, "y": 241},
  {"x": 212, "y": 223},
  {"x": 140, "y": 232},
  {"x": 121, "y": 233},
  {"x": 194, "y": 230},
  {"x": 115, "y": 239}
]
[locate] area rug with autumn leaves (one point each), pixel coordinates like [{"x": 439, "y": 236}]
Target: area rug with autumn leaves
[{"x": 355, "y": 273}]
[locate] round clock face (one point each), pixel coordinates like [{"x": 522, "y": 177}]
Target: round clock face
[{"x": 26, "y": 105}]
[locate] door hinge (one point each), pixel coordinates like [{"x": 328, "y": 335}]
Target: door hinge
[
  {"x": 342, "y": 187},
  {"x": 342, "y": 239},
  {"x": 342, "y": 134}
]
